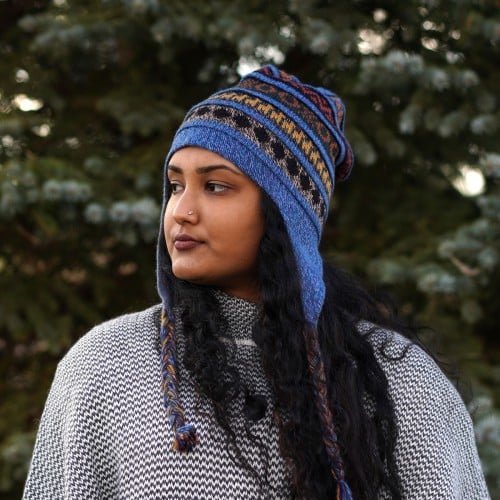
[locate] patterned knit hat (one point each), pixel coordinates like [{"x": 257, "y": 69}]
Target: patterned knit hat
[{"x": 287, "y": 137}]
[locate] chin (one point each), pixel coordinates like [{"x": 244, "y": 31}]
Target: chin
[{"x": 188, "y": 275}]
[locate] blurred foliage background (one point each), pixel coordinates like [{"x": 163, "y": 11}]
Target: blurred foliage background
[{"x": 92, "y": 91}]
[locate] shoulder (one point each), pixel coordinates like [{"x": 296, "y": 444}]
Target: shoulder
[
  {"x": 435, "y": 450},
  {"x": 126, "y": 336},
  {"x": 411, "y": 372}
]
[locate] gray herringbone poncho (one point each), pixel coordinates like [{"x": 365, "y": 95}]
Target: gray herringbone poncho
[{"x": 104, "y": 433}]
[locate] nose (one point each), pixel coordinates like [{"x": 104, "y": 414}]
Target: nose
[{"x": 184, "y": 207}]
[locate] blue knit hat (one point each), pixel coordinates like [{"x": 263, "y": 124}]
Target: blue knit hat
[{"x": 288, "y": 137}]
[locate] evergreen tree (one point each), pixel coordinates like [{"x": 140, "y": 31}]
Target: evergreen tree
[{"x": 92, "y": 91}]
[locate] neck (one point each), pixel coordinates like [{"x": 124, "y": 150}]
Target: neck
[{"x": 251, "y": 294}]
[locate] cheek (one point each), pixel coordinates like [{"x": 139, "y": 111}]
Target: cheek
[
  {"x": 167, "y": 225},
  {"x": 248, "y": 232}
]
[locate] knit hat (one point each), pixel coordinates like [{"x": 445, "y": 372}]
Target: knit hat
[{"x": 288, "y": 137}]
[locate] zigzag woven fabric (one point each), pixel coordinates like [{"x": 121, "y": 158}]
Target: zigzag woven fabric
[{"x": 104, "y": 431}]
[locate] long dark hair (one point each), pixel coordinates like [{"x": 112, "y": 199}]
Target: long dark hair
[{"x": 357, "y": 386}]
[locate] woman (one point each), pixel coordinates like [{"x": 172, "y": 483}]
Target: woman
[{"x": 280, "y": 377}]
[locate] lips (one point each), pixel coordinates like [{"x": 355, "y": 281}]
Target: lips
[{"x": 185, "y": 242}]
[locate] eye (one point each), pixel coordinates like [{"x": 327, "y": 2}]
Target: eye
[
  {"x": 216, "y": 188},
  {"x": 175, "y": 187}
]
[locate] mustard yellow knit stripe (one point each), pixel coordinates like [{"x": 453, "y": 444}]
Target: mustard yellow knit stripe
[{"x": 295, "y": 133}]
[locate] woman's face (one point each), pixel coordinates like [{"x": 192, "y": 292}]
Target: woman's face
[{"x": 213, "y": 222}]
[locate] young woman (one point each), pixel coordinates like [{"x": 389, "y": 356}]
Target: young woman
[{"x": 265, "y": 373}]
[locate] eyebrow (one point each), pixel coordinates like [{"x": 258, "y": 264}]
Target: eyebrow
[{"x": 205, "y": 170}]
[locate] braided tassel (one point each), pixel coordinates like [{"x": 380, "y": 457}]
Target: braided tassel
[
  {"x": 343, "y": 491},
  {"x": 317, "y": 372},
  {"x": 185, "y": 437}
]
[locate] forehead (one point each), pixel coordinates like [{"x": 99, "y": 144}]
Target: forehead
[{"x": 192, "y": 156}]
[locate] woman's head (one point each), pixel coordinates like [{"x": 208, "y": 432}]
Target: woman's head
[
  {"x": 213, "y": 222},
  {"x": 288, "y": 138}
]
